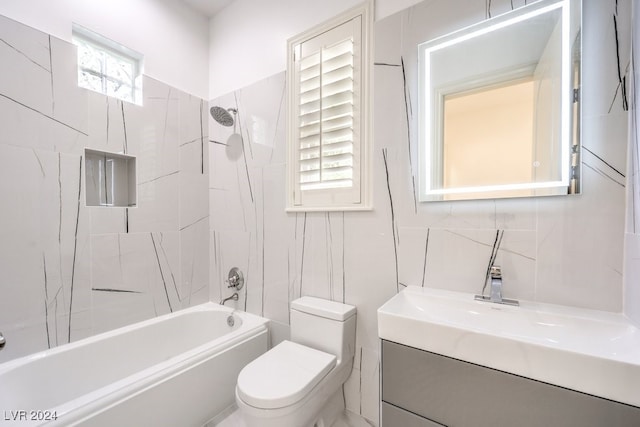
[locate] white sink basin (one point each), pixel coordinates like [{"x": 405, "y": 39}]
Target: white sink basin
[{"x": 586, "y": 350}]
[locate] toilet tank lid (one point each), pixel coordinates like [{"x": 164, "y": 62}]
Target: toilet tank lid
[{"x": 324, "y": 308}]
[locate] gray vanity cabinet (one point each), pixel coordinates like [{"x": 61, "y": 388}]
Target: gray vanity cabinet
[{"x": 423, "y": 389}]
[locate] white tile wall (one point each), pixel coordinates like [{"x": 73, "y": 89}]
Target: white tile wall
[
  {"x": 565, "y": 250},
  {"x": 632, "y": 235},
  {"x": 69, "y": 271},
  {"x": 62, "y": 263}
]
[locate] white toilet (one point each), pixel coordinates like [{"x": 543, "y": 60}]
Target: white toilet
[{"x": 298, "y": 383}]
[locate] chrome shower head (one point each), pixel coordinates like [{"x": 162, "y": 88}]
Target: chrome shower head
[{"x": 222, "y": 116}]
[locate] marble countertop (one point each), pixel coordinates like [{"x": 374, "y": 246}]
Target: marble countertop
[{"x": 590, "y": 351}]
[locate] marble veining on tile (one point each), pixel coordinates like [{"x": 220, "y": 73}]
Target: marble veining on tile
[
  {"x": 547, "y": 248},
  {"x": 632, "y": 228},
  {"x": 205, "y": 205},
  {"x": 71, "y": 271}
]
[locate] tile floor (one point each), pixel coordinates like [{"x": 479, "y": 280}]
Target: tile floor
[{"x": 232, "y": 418}]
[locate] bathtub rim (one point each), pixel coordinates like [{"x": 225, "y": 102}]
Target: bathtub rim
[{"x": 42, "y": 354}]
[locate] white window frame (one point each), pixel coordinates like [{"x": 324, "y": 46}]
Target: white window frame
[
  {"x": 337, "y": 198},
  {"x": 115, "y": 50}
]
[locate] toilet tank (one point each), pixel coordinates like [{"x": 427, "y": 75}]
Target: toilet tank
[{"x": 324, "y": 325}]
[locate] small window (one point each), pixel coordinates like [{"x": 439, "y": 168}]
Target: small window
[
  {"x": 105, "y": 66},
  {"x": 328, "y": 140}
]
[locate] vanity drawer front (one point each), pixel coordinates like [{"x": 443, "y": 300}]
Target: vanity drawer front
[
  {"x": 461, "y": 394},
  {"x": 394, "y": 416}
]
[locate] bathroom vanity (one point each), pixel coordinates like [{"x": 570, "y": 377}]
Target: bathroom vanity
[
  {"x": 450, "y": 360},
  {"x": 419, "y": 386}
]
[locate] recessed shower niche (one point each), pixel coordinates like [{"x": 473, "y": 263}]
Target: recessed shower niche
[{"x": 111, "y": 179}]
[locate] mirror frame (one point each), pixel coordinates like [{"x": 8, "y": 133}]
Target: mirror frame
[{"x": 431, "y": 105}]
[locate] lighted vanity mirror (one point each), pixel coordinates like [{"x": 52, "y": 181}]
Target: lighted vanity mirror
[{"x": 499, "y": 106}]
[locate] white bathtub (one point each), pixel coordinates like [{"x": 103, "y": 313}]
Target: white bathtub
[{"x": 175, "y": 370}]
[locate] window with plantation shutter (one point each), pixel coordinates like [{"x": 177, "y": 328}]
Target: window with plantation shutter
[{"x": 328, "y": 108}]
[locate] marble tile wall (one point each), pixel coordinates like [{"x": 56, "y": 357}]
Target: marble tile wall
[
  {"x": 564, "y": 250},
  {"x": 68, "y": 271},
  {"x": 632, "y": 235}
]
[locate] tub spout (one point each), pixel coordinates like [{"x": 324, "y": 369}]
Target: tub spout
[{"x": 233, "y": 297}]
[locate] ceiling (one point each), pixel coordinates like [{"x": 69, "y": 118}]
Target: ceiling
[{"x": 208, "y": 7}]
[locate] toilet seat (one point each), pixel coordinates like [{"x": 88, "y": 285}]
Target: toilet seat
[{"x": 283, "y": 375}]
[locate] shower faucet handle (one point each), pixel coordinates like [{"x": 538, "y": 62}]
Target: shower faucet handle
[
  {"x": 3, "y": 341},
  {"x": 235, "y": 279}
]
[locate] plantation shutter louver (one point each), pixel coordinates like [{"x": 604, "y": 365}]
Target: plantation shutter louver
[
  {"x": 327, "y": 102},
  {"x": 326, "y": 118}
]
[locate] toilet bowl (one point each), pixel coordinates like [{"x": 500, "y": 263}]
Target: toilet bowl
[{"x": 298, "y": 383}]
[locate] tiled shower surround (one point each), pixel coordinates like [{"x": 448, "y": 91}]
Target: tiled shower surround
[
  {"x": 70, "y": 271},
  {"x": 565, "y": 250}
]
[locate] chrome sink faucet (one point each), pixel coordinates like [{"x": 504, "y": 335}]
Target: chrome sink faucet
[
  {"x": 495, "y": 296},
  {"x": 496, "y": 284}
]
